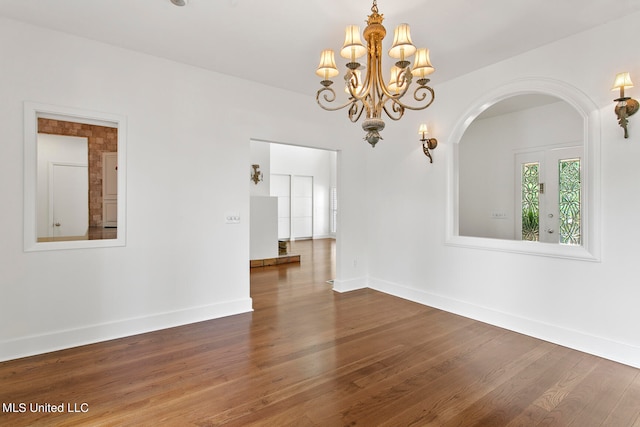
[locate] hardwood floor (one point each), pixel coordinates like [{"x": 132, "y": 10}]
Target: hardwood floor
[{"x": 308, "y": 356}]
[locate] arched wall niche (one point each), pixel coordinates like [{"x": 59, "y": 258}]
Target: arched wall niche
[{"x": 589, "y": 249}]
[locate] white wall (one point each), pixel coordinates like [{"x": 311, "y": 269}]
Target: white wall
[
  {"x": 187, "y": 168},
  {"x": 263, "y": 227},
  {"x": 592, "y": 306}
]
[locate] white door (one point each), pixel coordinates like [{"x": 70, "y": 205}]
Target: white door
[
  {"x": 281, "y": 188},
  {"x": 548, "y": 203},
  {"x": 301, "y": 207},
  {"x": 69, "y": 200},
  {"x": 109, "y": 189}
]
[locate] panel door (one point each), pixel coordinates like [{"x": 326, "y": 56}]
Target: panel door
[
  {"x": 69, "y": 200},
  {"x": 109, "y": 189}
]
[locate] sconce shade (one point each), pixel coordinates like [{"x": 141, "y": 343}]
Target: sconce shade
[
  {"x": 393, "y": 86},
  {"x": 623, "y": 81},
  {"x": 422, "y": 66},
  {"x": 353, "y": 47},
  {"x": 327, "y": 68},
  {"x": 402, "y": 45},
  {"x": 423, "y": 130}
]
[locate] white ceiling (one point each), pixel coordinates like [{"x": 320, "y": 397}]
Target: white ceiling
[{"x": 278, "y": 43}]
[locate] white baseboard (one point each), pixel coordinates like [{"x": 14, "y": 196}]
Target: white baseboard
[
  {"x": 59, "y": 340},
  {"x": 599, "y": 346},
  {"x": 350, "y": 285}
]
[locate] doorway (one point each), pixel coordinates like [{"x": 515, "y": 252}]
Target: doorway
[
  {"x": 302, "y": 181},
  {"x": 549, "y": 199}
]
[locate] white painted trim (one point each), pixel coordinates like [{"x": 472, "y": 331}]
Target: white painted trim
[
  {"x": 323, "y": 236},
  {"x": 342, "y": 286},
  {"x": 58, "y": 340},
  {"x": 32, "y": 111},
  {"x": 599, "y": 346},
  {"x": 588, "y": 110}
]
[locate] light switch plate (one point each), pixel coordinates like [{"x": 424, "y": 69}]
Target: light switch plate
[{"x": 232, "y": 218}]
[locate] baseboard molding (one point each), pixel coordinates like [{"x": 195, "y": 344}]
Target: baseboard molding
[
  {"x": 59, "y": 340},
  {"x": 577, "y": 340},
  {"x": 350, "y": 284}
]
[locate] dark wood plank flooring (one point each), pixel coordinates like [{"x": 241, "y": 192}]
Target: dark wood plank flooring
[{"x": 310, "y": 357}]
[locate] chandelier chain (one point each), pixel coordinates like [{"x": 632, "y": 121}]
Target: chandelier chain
[{"x": 374, "y": 8}]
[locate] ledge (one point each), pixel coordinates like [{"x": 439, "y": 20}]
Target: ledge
[{"x": 284, "y": 259}]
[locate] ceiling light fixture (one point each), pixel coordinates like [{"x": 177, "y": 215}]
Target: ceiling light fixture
[{"x": 369, "y": 92}]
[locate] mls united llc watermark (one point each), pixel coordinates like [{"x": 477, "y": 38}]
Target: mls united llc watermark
[{"x": 22, "y": 407}]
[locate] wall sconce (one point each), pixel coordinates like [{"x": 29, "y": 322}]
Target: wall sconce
[
  {"x": 625, "y": 107},
  {"x": 256, "y": 175},
  {"x": 427, "y": 143}
]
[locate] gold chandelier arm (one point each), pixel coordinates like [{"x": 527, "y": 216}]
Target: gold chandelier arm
[
  {"x": 403, "y": 80},
  {"x": 355, "y": 111},
  {"x": 330, "y": 97},
  {"x": 420, "y": 94},
  {"x": 396, "y": 108}
]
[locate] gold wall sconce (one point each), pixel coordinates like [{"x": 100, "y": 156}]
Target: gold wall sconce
[
  {"x": 256, "y": 175},
  {"x": 626, "y": 106},
  {"x": 427, "y": 143}
]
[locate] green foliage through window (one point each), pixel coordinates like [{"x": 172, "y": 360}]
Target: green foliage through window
[
  {"x": 530, "y": 201},
  {"x": 569, "y": 201}
]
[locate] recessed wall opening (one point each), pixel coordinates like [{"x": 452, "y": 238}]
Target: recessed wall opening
[
  {"x": 77, "y": 181},
  {"x": 525, "y": 172},
  {"x": 75, "y": 178}
]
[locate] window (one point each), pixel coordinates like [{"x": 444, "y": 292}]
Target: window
[{"x": 530, "y": 210}]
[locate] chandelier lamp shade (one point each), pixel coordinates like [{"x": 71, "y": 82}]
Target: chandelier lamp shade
[{"x": 365, "y": 87}]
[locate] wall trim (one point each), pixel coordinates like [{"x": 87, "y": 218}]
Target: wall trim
[
  {"x": 350, "y": 284},
  {"x": 60, "y": 340},
  {"x": 596, "y": 345}
]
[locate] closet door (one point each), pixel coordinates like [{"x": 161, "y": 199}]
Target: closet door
[{"x": 301, "y": 207}]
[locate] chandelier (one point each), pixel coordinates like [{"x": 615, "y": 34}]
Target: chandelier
[{"x": 368, "y": 94}]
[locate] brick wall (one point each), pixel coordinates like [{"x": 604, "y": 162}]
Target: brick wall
[{"x": 101, "y": 139}]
